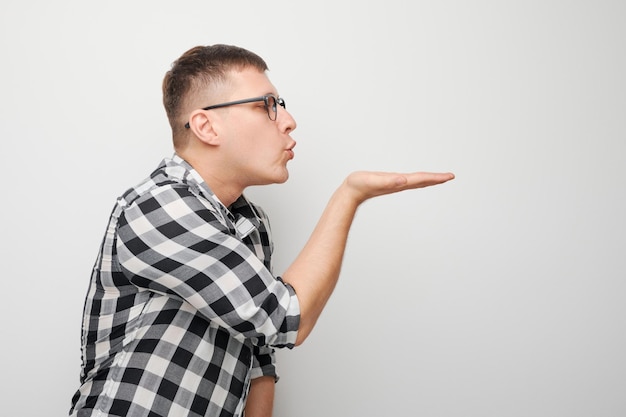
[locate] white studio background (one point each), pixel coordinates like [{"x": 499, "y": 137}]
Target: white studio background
[{"x": 498, "y": 294}]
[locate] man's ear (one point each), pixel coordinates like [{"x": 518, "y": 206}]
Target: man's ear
[{"x": 203, "y": 127}]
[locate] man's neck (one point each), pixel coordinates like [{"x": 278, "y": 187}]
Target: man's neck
[{"x": 227, "y": 192}]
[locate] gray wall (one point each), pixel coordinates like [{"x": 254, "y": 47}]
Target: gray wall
[{"x": 498, "y": 294}]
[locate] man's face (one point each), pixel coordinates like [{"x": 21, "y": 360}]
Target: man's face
[{"x": 257, "y": 147}]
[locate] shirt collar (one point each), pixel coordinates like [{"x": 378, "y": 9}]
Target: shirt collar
[{"x": 241, "y": 214}]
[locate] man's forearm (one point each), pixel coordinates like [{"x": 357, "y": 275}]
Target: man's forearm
[
  {"x": 260, "y": 401},
  {"x": 315, "y": 271}
]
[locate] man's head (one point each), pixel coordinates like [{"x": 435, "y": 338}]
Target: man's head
[
  {"x": 197, "y": 74},
  {"x": 228, "y": 120}
]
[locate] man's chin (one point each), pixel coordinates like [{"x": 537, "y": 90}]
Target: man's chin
[
  {"x": 279, "y": 179},
  {"x": 282, "y": 178}
]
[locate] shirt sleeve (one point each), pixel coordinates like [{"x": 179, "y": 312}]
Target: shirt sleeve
[
  {"x": 264, "y": 362},
  {"x": 171, "y": 242}
]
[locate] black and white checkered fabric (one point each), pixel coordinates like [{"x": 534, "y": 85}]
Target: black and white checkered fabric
[{"x": 182, "y": 310}]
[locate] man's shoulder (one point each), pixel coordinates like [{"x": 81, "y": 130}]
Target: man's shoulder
[
  {"x": 158, "y": 181},
  {"x": 170, "y": 175}
]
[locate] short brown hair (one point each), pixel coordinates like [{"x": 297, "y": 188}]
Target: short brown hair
[{"x": 198, "y": 68}]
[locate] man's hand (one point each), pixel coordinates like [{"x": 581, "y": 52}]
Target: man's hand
[{"x": 364, "y": 185}]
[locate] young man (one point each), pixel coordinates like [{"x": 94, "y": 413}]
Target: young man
[{"x": 183, "y": 312}]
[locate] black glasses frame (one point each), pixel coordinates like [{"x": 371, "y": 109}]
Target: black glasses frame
[{"x": 265, "y": 99}]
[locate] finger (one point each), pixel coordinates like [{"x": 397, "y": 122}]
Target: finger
[{"x": 425, "y": 179}]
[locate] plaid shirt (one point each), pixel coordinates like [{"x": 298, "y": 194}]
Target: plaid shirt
[{"x": 182, "y": 309}]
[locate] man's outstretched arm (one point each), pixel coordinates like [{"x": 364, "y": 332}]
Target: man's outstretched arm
[{"x": 315, "y": 271}]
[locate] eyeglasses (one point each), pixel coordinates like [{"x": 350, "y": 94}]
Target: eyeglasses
[{"x": 270, "y": 101}]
